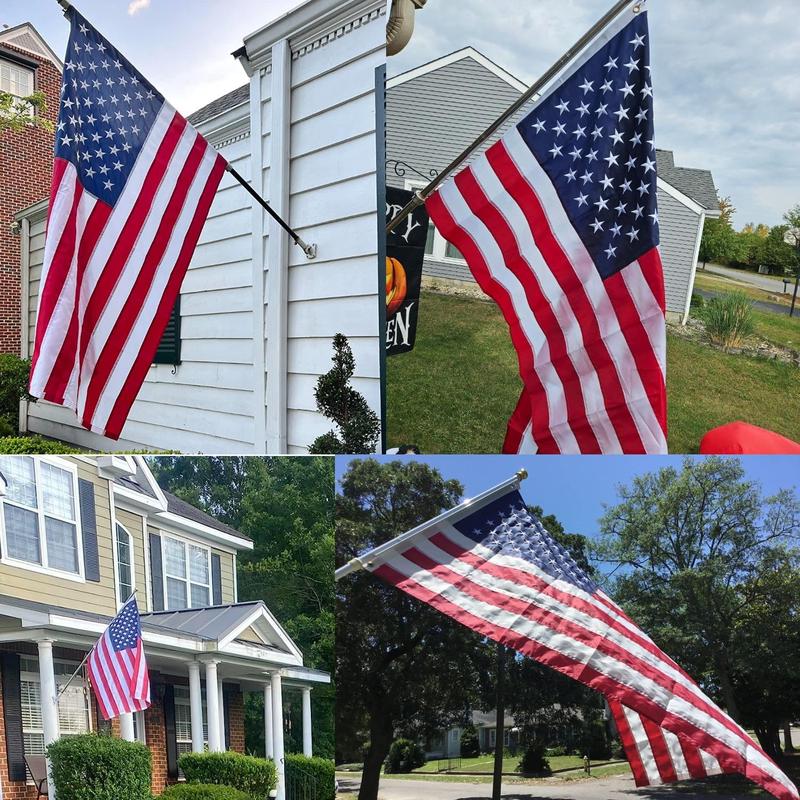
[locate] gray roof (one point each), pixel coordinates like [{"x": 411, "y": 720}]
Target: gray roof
[
  {"x": 211, "y": 624},
  {"x": 698, "y": 184},
  {"x": 131, "y": 482},
  {"x": 184, "y": 509},
  {"x": 488, "y": 719},
  {"x": 227, "y": 101}
]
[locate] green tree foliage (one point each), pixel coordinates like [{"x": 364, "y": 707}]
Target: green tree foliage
[
  {"x": 17, "y": 113},
  {"x": 404, "y": 756},
  {"x": 699, "y": 548},
  {"x": 533, "y": 761},
  {"x": 286, "y": 506},
  {"x": 470, "y": 744},
  {"x": 720, "y": 242},
  {"x": 402, "y": 668}
]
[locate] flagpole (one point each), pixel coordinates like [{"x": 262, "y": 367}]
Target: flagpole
[
  {"x": 422, "y": 195},
  {"x": 363, "y": 561}
]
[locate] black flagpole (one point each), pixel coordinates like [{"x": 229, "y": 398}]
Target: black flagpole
[
  {"x": 309, "y": 249},
  {"x": 422, "y": 195}
]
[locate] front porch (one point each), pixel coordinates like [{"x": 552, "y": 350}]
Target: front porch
[{"x": 202, "y": 662}]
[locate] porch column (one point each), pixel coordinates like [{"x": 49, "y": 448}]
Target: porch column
[
  {"x": 196, "y": 706},
  {"x": 307, "y": 748},
  {"x": 223, "y": 744},
  {"x": 47, "y": 685},
  {"x": 277, "y": 732},
  {"x": 268, "y": 720},
  {"x": 126, "y": 727},
  {"x": 212, "y": 706}
]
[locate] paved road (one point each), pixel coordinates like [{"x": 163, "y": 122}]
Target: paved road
[
  {"x": 744, "y": 276},
  {"x": 616, "y": 788},
  {"x": 761, "y": 305}
]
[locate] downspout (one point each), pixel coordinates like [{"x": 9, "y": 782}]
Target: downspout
[{"x": 400, "y": 26}]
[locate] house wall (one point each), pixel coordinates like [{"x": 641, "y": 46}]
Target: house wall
[{"x": 26, "y": 163}]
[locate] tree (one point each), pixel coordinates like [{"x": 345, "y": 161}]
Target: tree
[
  {"x": 792, "y": 219},
  {"x": 720, "y": 242},
  {"x": 727, "y": 210},
  {"x": 403, "y": 668},
  {"x": 286, "y": 506},
  {"x": 698, "y": 545},
  {"x": 18, "y": 113}
]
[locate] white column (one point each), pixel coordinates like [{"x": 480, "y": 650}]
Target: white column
[
  {"x": 126, "y": 727},
  {"x": 307, "y": 747},
  {"x": 277, "y": 733},
  {"x": 268, "y": 720},
  {"x": 196, "y": 706},
  {"x": 47, "y": 687},
  {"x": 223, "y": 744},
  {"x": 212, "y": 706}
]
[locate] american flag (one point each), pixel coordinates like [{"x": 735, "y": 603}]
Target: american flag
[
  {"x": 132, "y": 186},
  {"x": 117, "y": 666},
  {"x": 559, "y": 225},
  {"x": 494, "y": 568}
]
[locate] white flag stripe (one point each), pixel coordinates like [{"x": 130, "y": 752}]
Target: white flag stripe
[
  {"x": 604, "y": 664},
  {"x": 648, "y": 308},
  {"x": 643, "y": 746},
  {"x": 107, "y": 672},
  {"x": 99, "y": 688},
  {"x": 554, "y": 390},
  {"x": 676, "y": 754},
  {"x": 710, "y": 763},
  {"x": 130, "y": 352},
  {"x": 502, "y": 200}
]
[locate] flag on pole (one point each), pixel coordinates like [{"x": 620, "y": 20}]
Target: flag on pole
[
  {"x": 558, "y": 223},
  {"x": 117, "y": 666},
  {"x": 132, "y": 186},
  {"x": 494, "y": 568}
]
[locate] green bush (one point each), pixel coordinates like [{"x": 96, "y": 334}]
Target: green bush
[
  {"x": 203, "y": 791},
  {"x": 21, "y": 445},
  {"x": 14, "y": 376},
  {"x": 404, "y": 756},
  {"x": 317, "y": 776},
  {"x": 552, "y": 752},
  {"x": 594, "y": 741},
  {"x": 254, "y": 776},
  {"x": 470, "y": 745},
  {"x": 93, "y": 767},
  {"x": 698, "y": 302},
  {"x": 728, "y": 319},
  {"x": 533, "y": 761}
]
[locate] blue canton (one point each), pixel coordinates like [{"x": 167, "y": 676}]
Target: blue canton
[
  {"x": 508, "y": 528},
  {"x": 594, "y": 137},
  {"x": 125, "y": 631},
  {"x": 107, "y": 110}
]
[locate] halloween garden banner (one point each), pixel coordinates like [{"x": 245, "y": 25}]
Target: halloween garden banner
[{"x": 405, "y": 252}]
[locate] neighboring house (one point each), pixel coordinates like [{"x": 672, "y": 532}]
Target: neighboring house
[
  {"x": 447, "y": 744},
  {"x": 257, "y": 318},
  {"x": 27, "y": 65},
  {"x": 438, "y": 109},
  {"x": 78, "y": 535}
]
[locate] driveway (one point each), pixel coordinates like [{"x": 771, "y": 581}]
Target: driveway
[
  {"x": 616, "y": 788},
  {"x": 752, "y": 278}
]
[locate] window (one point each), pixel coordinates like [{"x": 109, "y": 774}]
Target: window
[
  {"x": 187, "y": 574},
  {"x": 16, "y": 79},
  {"x": 40, "y": 525},
  {"x": 429, "y": 239},
  {"x": 451, "y": 251},
  {"x": 73, "y": 706},
  {"x": 492, "y": 737},
  {"x": 124, "y": 564},
  {"x": 183, "y": 720}
]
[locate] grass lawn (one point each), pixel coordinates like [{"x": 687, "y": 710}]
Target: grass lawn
[
  {"x": 485, "y": 765},
  {"x": 722, "y": 283},
  {"x": 455, "y": 391}
]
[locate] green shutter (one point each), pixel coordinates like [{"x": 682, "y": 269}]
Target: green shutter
[{"x": 169, "y": 348}]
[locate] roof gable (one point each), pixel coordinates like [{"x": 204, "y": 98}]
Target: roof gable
[
  {"x": 696, "y": 184},
  {"x": 27, "y": 38}
]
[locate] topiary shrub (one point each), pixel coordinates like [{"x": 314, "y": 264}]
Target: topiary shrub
[
  {"x": 728, "y": 319},
  {"x": 404, "y": 756},
  {"x": 203, "y": 791},
  {"x": 533, "y": 761},
  {"x": 100, "y": 768},
  {"x": 314, "y": 778},
  {"x": 22, "y": 445},
  {"x": 358, "y": 425},
  {"x": 254, "y": 776},
  {"x": 470, "y": 745},
  {"x": 14, "y": 376}
]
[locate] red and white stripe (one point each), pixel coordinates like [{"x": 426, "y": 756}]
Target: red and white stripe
[
  {"x": 111, "y": 275},
  {"x": 121, "y": 681},
  {"x": 589, "y": 638},
  {"x": 592, "y": 352}
]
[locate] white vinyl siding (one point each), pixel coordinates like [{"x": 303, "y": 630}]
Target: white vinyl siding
[{"x": 187, "y": 574}]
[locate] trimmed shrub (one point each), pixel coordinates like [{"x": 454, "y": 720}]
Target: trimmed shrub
[
  {"x": 254, "y": 776},
  {"x": 316, "y": 776},
  {"x": 728, "y": 319},
  {"x": 94, "y": 767},
  {"x": 203, "y": 791},
  {"x": 14, "y": 374},
  {"x": 533, "y": 761},
  {"x": 470, "y": 745},
  {"x": 404, "y": 756},
  {"x": 22, "y": 445}
]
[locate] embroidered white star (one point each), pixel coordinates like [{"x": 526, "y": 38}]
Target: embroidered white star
[{"x": 538, "y": 125}]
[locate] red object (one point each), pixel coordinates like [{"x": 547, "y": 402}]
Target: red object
[{"x": 741, "y": 438}]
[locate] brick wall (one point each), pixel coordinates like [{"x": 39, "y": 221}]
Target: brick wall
[
  {"x": 26, "y": 162},
  {"x": 155, "y": 734},
  {"x": 236, "y": 716}
]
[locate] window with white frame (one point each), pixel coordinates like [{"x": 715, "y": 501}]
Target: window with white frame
[
  {"x": 183, "y": 720},
  {"x": 73, "y": 705},
  {"x": 124, "y": 555},
  {"x": 187, "y": 574},
  {"x": 15, "y": 79},
  {"x": 40, "y": 523},
  {"x": 436, "y": 246}
]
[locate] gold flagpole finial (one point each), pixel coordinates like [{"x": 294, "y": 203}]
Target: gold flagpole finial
[{"x": 522, "y": 473}]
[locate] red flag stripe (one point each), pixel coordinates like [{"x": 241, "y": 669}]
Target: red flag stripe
[{"x": 660, "y": 752}]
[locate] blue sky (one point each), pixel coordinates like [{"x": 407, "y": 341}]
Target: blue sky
[
  {"x": 183, "y": 47},
  {"x": 576, "y": 488},
  {"x": 725, "y": 75}
]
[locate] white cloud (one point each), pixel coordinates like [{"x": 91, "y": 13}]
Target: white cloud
[{"x": 137, "y": 5}]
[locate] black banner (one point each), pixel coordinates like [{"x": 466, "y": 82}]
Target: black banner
[{"x": 405, "y": 252}]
